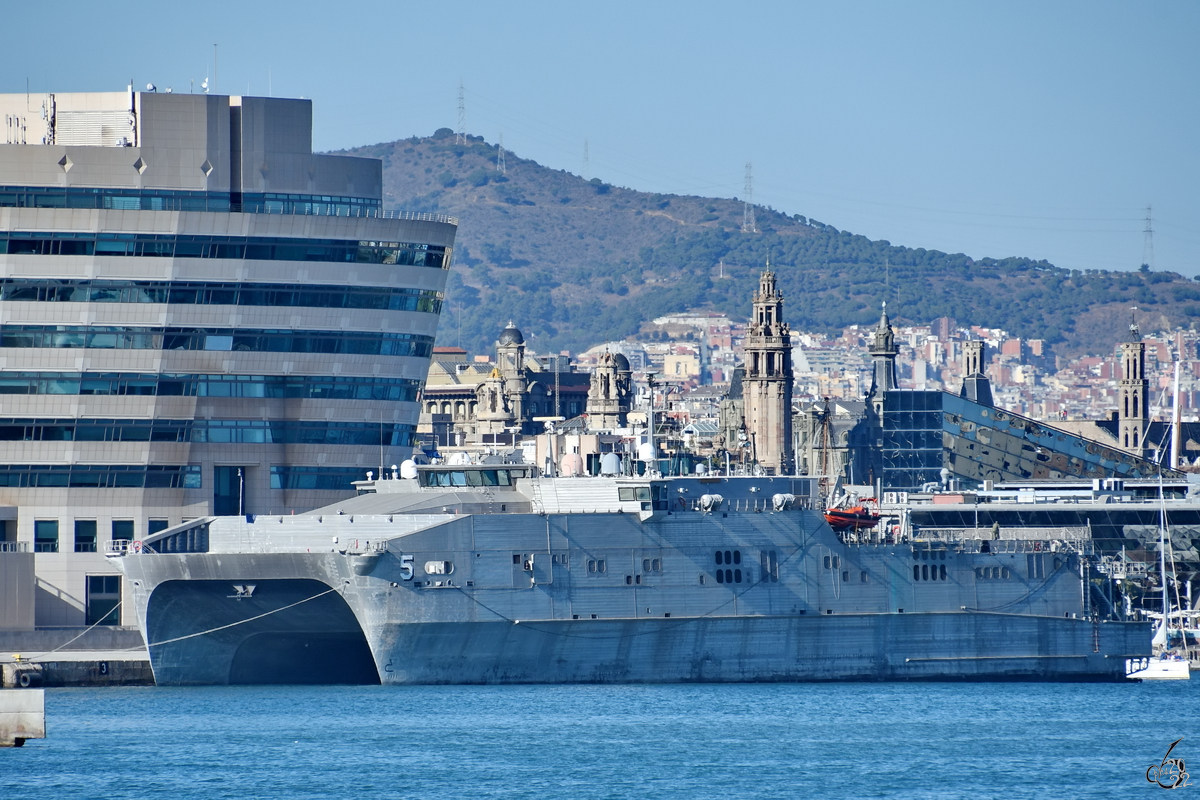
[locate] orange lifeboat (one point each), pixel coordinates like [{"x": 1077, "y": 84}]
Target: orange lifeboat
[{"x": 860, "y": 517}]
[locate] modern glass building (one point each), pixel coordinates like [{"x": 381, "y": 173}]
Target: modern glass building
[
  {"x": 198, "y": 315},
  {"x": 925, "y": 432}
]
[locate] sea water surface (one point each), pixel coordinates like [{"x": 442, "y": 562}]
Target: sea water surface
[{"x": 929, "y": 740}]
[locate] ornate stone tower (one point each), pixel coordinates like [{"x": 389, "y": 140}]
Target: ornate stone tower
[
  {"x": 883, "y": 352},
  {"x": 1132, "y": 412},
  {"x": 510, "y": 361},
  {"x": 767, "y": 381},
  {"x": 609, "y": 396},
  {"x": 976, "y": 385}
]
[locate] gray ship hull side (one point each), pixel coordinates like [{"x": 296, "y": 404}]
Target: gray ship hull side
[{"x": 317, "y": 642}]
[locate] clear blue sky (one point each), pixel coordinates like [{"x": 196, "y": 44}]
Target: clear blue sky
[{"x": 1039, "y": 129}]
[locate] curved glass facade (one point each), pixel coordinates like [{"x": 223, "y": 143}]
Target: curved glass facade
[
  {"x": 112, "y": 337},
  {"x": 231, "y": 325},
  {"x": 101, "y": 476},
  {"x": 211, "y": 293},
  {"x": 184, "y": 200},
  {"x": 243, "y": 431},
  {"x": 255, "y": 248},
  {"x": 325, "y": 387}
]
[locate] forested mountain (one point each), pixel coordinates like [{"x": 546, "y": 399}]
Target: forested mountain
[{"x": 576, "y": 262}]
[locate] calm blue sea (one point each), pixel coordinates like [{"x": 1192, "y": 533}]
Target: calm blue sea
[{"x": 692, "y": 741}]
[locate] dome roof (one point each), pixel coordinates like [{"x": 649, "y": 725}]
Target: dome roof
[
  {"x": 511, "y": 335},
  {"x": 621, "y": 362}
]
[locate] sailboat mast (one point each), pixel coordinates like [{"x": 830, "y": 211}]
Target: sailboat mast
[{"x": 1175, "y": 422}]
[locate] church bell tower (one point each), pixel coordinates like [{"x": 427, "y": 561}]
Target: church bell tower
[{"x": 767, "y": 381}]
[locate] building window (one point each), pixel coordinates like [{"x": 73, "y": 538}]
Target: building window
[
  {"x": 85, "y": 536},
  {"x": 45, "y": 536},
  {"x": 122, "y": 529},
  {"x": 103, "y": 598},
  {"x": 156, "y": 525}
]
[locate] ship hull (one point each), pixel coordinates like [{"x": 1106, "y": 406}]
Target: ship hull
[
  {"x": 671, "y": 594},
  {"x": 320, "y": 641}
]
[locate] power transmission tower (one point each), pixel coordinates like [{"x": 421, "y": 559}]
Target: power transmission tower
[
  {"x": 585, "y": 158},
  {"x": 1148, "y": 242},
  {"x": 748, "y": 223},
  {"x": 500, "y": 166},
  {"x": 461, "y": 136}
]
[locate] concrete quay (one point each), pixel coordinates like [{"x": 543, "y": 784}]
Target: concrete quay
[{"x": 48, "y": 658}]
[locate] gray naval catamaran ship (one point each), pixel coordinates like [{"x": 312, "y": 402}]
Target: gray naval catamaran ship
[{"x": 491, "y": 574}]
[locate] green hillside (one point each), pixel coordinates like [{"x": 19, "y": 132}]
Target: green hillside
[{"x": 576, "y": 262}]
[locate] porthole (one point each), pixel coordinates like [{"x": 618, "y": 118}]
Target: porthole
[
  {"x": 924, "y": 572},
  {"x": 728, "y": 557},
  {"x": 826, "y": 562},
  {"x": 737, "y": 576},
  {"x": 737, "y": 556},
  {"x": 720, "y": 576},
  {"x": 720, "y": 560},
  {"x": 916, "y": 572},
  {"x": 943, "y": 572},
  {"x": 729, "y": 575}
]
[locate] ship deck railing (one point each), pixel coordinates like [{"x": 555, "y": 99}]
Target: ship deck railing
[
  {"x": 1010, "y": 540},
  {"x": 978, "y": 540}
]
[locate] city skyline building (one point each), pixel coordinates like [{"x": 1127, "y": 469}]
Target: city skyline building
[{"x": 199, "y": 316}]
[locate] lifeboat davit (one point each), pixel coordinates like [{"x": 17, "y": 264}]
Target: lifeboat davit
[{"x": 860, "y": 517}]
